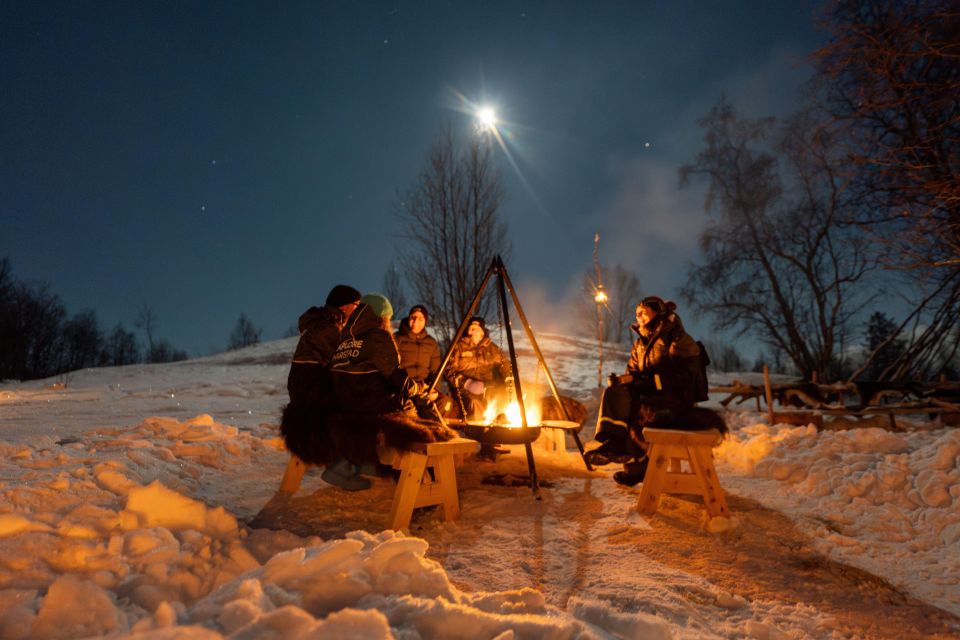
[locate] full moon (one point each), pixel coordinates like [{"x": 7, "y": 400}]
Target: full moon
[{"x": 488, "y": 117}]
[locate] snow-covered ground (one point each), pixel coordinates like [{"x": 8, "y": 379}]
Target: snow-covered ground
[{"x": 128, "y": 501}]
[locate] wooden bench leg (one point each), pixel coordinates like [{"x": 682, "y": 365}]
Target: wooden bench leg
[
  {"x": 649, "y": 500},
  {"x": 293, "y": 475},
  {"x": 447, "y": 477},
  {"x": 701, "y": 462},
  {"x": 412, "y": 467}
]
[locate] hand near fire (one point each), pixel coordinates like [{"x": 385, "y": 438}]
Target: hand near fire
[{"x": 476, "y": 387}]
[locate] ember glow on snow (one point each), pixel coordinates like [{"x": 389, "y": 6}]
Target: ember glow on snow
[{"x": 123, "y": 513}]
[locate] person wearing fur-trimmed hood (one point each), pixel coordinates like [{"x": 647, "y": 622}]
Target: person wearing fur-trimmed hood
[{"x": 476, "y": 370}]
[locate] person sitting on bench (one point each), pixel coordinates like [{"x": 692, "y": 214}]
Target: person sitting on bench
[
  {"x": 666, "y": 376},
  {"x": 376, "y": 409},
  {"x": 312, "y": 397},
  {"x": 477, "y": 374}
]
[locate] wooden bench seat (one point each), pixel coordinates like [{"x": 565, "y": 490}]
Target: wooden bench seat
[
  {"x": 668, "y": 450},
  {"x": 427, "y": 477}
]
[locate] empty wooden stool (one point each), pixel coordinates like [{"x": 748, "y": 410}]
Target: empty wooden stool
[{"x": 668, "y": 449}]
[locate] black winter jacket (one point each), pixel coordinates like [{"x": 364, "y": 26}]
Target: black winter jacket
[
  {"x": 308, "y": 380},
  {"x": 419, "y": 353},
  {"x": 664, "y": 348},
  {"x": 366, "y": 369}
]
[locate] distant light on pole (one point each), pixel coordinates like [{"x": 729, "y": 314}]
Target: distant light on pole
[{"x": 600, "y": 297}]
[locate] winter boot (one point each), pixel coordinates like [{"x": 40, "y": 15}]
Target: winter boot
[
  {"x": 632, "y": 473},
  {"x": 613, "y": 450},
  {"x": 343, "y": 474}
]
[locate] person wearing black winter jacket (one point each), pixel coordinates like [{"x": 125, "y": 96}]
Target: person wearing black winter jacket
[
  {"x": 366, "y": 365},
  {"x": 664, "y": 380},
  {"x": 312, "y": 397},
  {"x": 374, "y": 392},
  {"x": 308, "y": 380}
]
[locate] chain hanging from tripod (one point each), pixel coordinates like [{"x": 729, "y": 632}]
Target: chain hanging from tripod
[{"x": 510, "y": 387}]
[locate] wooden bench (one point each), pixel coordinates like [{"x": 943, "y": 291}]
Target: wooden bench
[
  {"x": 427, "y": 477},
  {"x": 667, "y": 451}
]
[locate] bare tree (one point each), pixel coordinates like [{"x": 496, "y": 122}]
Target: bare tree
[
  {"x": 120, "y": 347},
  {"x": 623, "y": 294},
  {"x": 890, "y": 77},
  {"x": 451, "y": 227},
  {"x": 30, "y": 322},
  {"x": 393, "y": 289},
  {"x": 147, "y": 321},
  {"x": 81, "y": 342},
  {"x": 158, "y": 350},
  {"x": 244, "y": 334},
  {"x": 777, "y": 263},
  {"x": 163, "y": 351}
]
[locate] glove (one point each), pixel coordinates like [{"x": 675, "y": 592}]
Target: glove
[
  {"x": 475, "y": 387},
  {"x": 615, "y": 380}
]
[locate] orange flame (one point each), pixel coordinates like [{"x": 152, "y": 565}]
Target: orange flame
[{"x": 509, "y": 416}]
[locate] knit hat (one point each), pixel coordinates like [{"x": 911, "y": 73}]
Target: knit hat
[
  {"x": 658, "y": 305},
  {"x": 341, "y": 295},
  {"x": 379, "y": 304},
  {"x": 422, "y": 309},
  {"x": 479, "y": 321}
]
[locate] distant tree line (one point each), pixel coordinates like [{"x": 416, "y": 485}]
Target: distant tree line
[{"x": 38, "y": 338}]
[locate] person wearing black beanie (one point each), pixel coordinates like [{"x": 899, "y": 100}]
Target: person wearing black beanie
[
  {"x": 312, "y": 396},
  {"x": 342, "y": 295}
]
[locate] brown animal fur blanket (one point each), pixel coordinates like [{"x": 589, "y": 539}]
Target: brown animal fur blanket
[
  {"x": 304, "y": 430},
  {"x": 356, "y": 436}
]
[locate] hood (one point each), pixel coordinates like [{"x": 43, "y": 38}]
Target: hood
[
  {"x": 659, "y": 325},
  {"x": 362, "y": 319},
  {"x": 315, "y": 315}
]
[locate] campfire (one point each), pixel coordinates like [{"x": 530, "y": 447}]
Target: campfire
[
  {"x": 509, "y": 415},
  {"x": 504, "y": 424}
]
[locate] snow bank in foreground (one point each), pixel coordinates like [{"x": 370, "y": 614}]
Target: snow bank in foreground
[
  {"x": 886, "y": 502},
  {"x": 100, "y": 537}
]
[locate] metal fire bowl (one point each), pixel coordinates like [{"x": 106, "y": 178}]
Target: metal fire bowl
[{"x": 496, "y": 434}]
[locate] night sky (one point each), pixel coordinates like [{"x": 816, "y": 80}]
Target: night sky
[{"x": 215, "y": 158}]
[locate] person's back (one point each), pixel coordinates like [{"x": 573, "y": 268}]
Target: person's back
[
  {"x": 319, "y": 337},
  {"x": 303, "y": 424},
  {"x": 307, "y": 381},
  {"x": 366, "y": 366}
]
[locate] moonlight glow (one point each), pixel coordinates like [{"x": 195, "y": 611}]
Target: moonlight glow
[{"x": 487, "y": 117}]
